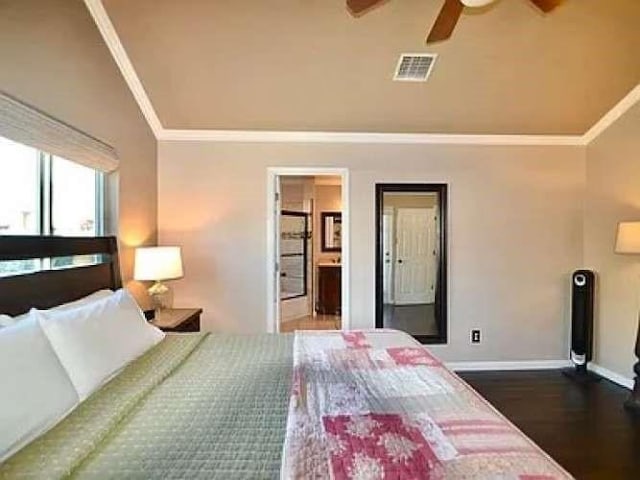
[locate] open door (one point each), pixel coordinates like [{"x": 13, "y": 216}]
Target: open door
[
  {"x": 276, "y": 241},
  {"x": 280, "y": 196}
]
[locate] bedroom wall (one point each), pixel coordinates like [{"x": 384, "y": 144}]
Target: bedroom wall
[
  {"x": 612, "y": 196},
  {"x": 53, "y": 57},
  {"x": 515, "y": 233}
]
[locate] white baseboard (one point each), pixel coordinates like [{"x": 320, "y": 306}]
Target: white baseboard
[
  {"x": 518, "y": 365},
  {"x": 538, "y": 365},
  {"x": 611, "y": 375}
]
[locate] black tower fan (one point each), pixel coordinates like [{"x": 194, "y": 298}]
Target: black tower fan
[{"x": 582, "y": 310}]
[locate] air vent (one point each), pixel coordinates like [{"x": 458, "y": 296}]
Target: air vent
[{"x": 414, "y": 67}]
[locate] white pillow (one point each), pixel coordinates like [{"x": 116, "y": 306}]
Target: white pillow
[
  {"x": 36, "y": 391},
  {"x": 94, "y": 341},
  {"x": 92, "y": 297},
  {"x": 6, "y": 320}
]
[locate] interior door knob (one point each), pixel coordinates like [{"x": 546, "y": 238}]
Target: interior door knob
[{"x": 399, "y": 260}]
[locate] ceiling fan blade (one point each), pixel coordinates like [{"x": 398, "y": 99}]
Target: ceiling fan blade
[
  {"x": 358, "y": 7},
  {"x": 446, "y": 21},
  {"x": 546, "y": 5}
]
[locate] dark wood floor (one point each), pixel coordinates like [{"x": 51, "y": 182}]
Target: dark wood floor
[
  {"x": 583, "y": 427},
  {"x": 417, "y": 319}
]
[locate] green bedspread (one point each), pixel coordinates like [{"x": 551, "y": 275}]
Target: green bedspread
[{"x": 195, "y": 406}]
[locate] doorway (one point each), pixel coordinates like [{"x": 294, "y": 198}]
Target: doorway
[
  {"x": 414, "y": 277},
  {"x": 411, "y": 265},
  {"x": 308, "y": 249}
]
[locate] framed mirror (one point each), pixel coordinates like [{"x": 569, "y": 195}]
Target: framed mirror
[
  {"x": 411, "y": 259},
  {"x": 331, "y": 223}
]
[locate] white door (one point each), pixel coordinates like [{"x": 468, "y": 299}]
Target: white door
[
  {"x": 276, "y": 241},
  {"x": 388, "y": 247},
  {"x": 415, "y": 262}
]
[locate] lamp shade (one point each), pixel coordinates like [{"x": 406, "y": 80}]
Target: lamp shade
[
  {"x": 158, "y": 263},
  {"x": 628, "y": 237}
]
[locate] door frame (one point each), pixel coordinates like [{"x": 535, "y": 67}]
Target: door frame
[
  {"x": 273, "y": 303},
  {"x": 442, "y": 298},
  {"x": 392, "y": 253}
]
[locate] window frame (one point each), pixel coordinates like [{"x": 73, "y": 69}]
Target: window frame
[{"x": 45, "y": 188}]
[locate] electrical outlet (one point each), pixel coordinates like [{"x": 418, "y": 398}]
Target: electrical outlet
[{"x": 475, "y": 335}]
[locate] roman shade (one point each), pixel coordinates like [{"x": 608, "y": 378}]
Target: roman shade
[{"x": 24, "y": 124}]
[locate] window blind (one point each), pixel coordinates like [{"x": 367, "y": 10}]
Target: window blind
[{"x": 24, "y": 124}]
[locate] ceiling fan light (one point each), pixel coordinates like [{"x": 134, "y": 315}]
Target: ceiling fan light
[{"x": 476, "y": 3}]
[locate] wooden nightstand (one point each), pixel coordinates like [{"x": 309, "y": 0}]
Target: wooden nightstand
[{"x": 176, "y": 319}]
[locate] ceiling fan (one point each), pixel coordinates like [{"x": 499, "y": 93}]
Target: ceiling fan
[{"x": 449, "y": 14}]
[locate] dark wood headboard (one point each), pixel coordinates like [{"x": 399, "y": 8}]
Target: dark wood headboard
[{"x": 51, "y": 287}]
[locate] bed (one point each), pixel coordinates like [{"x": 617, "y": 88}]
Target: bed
[{"x": 362, "y": 404}]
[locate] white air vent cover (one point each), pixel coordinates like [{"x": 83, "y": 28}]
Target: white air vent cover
[{"x": 414, "y": 67}]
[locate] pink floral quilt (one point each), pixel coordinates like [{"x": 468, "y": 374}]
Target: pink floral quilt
[{"x": 377, "y": 405}]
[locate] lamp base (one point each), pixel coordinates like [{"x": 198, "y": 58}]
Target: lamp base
[{"x": 161, "y": 297}]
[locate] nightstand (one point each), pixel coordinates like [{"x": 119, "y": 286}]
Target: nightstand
[{"x": 176, "y": 319}]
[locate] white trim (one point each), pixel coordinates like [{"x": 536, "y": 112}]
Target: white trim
[
  {"x": 272, "y": 174},
  {"x": 612, "y": 115},
  {"x": 538, "y": 365},
  {"x": 252, "y": 136},
  {"x": 611, "y": 375},
  {"x": 517, "y": 365},
  {"x": 110, "y": 36},
  {"x": 273, "y": 305}
]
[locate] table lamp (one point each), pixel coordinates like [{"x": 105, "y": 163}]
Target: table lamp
[
  {"x": 628, "y": 242},
  {"x": 157, "y": 264}
]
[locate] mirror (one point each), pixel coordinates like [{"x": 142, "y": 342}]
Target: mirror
[
  {"x": 331, "y": 231},
  {"x": 411, "y": 260}
]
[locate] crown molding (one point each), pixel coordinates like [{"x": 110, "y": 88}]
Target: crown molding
[
  {"x": 260, "y": 136},
  {"x": 111, "y": 38},
  {"x": 612, "y": 115},
  {"x": 119, "y": 54}
]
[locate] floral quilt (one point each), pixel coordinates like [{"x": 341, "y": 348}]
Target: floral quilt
[{"x": 377, "y": 405}]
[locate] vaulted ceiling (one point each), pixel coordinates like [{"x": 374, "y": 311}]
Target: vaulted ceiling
[{"x": 309, "y": 65}]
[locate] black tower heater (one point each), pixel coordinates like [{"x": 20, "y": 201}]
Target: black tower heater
[{"x": 582, "y": 308}]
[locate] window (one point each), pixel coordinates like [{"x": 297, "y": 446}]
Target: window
[
  {"x": 41, "y": 194},
  {"x": 76, "y": 203},
  {"x": 19, "y": 189}
]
